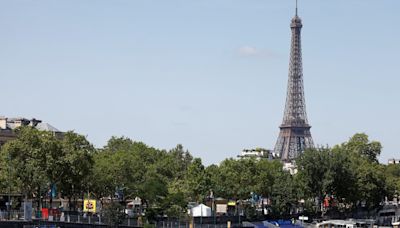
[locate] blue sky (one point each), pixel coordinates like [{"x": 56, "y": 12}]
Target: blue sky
[{"x": 209, "y": 74}]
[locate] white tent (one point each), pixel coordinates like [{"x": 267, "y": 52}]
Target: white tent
[{"x": 201, "y": 210}]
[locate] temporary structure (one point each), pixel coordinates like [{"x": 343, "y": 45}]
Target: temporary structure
[{"x": 201, "y": 210}]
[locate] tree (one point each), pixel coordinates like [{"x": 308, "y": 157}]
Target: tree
[
  {"x": 122, "y": 165},
  {"x": 284, "y": 196},
  {"x": 172, "y": 166},
  {"x": 39, "y": 160},
  {"x": 8, "y": 180},
  {"x": 102, "y": 182},
  {"x": 349, "y": 172},
  {"x": 174, "y": 204},
  {"x": 267, "y": 174},
  {"x": 197, "y": 182},
  {"x": 341, "y": 177},
  {"x": 117, "y": 170},
  {"x": 213, "y": 172},
  {"x": 369, "y": 175},
  {"x": 74, "y": 165},
  {"x": 236, "y": 179},
  {"x": 359, "y": 144},
  {"x": 32, "y": 156},
  {"x": 371, "y": 184},
  {"x": 158, "y": 177},
  {"x": 116, "y": 144},
  {"x": 167, "y": 180},
  {"x": 312, "y": 169},
  {"x": 392, "y": 174}
]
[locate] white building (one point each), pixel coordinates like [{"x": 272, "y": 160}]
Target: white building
[
  {"x": 257, "y": 153},
  {"x": 291, "y": 167},
  {"x": 393, "y": 161}
]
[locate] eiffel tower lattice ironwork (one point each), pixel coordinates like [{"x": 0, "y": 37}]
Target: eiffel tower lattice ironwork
[{"x": 295, "y": 135}]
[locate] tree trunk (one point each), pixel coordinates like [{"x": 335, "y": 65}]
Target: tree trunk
[{"x": 39, "y": 199}]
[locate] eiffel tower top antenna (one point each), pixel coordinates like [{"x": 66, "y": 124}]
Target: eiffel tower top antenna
[{"x": 296, "y": 8}]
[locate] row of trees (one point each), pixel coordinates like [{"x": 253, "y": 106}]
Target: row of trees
[
  {"x": 37, "y": 161},
  {"x": 350, "y": 173},
  {"x": 167, "y": 180}
]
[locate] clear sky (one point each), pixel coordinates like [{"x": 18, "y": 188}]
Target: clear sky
[{"x": 209, "y": 74}]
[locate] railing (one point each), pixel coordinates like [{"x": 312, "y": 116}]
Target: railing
[
  {"x": 186, "y": 224},
  {"x": 11, "y": 215},
  {"x": 76, "y": 217},
  {"x": 95, "y": 220}
]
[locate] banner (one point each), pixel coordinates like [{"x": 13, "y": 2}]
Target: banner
[
  {"x": 231, "y": 203},
  {"x": 222, "y": 208},
  {"x": 89, "y": 206},
  {"x": 45, "y": 213}
]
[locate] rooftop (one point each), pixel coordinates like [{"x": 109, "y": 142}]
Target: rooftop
[{"x": 13, "y": 123}]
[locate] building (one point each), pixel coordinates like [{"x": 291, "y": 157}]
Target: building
[
  {"x": 294, "y": 136},
  {"x": 8, "y": 125},
  {"x": 258, "y": 153},
  {"x": 291, "y": 167},
  {"x": 393, "y": 161}
]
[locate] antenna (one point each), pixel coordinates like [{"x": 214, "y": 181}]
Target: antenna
[{"x": 296, "y": 7}]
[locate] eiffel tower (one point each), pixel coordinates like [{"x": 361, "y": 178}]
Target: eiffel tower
[{"x": 294, "y": 136}]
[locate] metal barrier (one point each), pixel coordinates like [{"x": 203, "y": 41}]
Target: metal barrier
[
  {"x": 89, "y": 219},
  {"x": 66, "y": 217},
  {"x": 186, "y": 224},
  {"x": 94, "y": 220},
  {"x": 11, "y": 215}
]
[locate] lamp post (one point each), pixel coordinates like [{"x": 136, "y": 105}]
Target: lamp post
[
  {"x": 239, "y": 212},
  {"x": 215, "y": 212},
  {"x": 9, "y": 187},
  {"x": 213, "y": 207}
]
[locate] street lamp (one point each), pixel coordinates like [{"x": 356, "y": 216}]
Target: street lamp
[{"x": 9, "y": 187}]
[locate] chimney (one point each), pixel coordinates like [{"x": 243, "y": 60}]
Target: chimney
[{"x": 34, "y": 122}]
